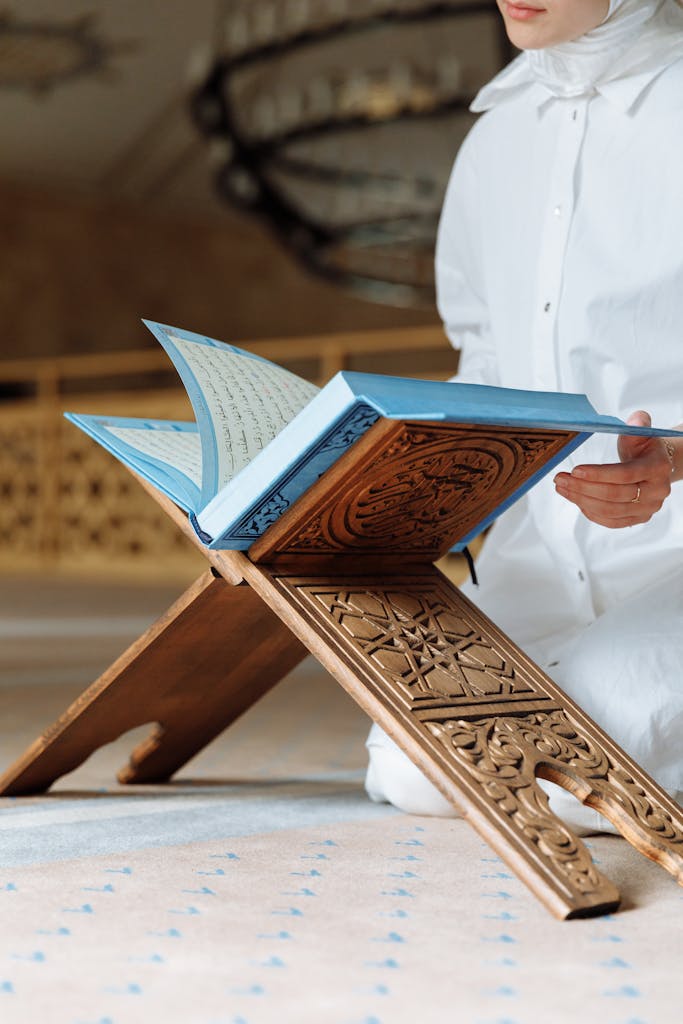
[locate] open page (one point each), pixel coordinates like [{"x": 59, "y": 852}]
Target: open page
[
  {"x": 165, "y": 452},
  {"x": 240, "y": 400}
]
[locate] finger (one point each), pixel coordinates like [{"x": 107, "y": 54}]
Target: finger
[
  {"x": 653, "y": 464},
  {"x": 632, "y": 446},
  {"x": 646, "y": 499},
  {"x": 620, "y": 473},
  {"x": 652, "y": 491},
  {"x": 612, "y": 493},
  {"x": 612, "y": 513},
  {"x": 639, "y": 419}
]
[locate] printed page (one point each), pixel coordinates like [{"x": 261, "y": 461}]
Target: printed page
[
  {"x": 247, "y": 399},
  {"x": 168, "y": 453},
  {"x": 181, "y": 450}
]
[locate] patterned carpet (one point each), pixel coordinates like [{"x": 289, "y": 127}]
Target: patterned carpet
[{"x": 262, "y": 887}]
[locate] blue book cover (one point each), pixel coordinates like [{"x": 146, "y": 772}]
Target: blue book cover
[{"x": 262, "y": 436}]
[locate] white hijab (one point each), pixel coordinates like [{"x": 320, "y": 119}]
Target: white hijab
[{"x": 636, "y": 36}]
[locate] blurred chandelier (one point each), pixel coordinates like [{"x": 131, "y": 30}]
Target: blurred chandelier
[
  {"x": 337, "y": 122},
  {"x": 38, "y": 54}
]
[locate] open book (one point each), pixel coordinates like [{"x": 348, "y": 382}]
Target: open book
[{"x": 263, "y": 436}]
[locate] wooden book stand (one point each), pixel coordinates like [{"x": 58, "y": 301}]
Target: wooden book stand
[{"x": 347, "y": 573}]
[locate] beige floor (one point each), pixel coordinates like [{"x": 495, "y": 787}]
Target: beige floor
[{"x": 262, "y": 887}]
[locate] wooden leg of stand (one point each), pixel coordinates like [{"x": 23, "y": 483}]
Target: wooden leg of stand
[
  {"x": 502, "y": 756},
  {"x": 215, "y": 652},
  {"x": 480, "y": 720},
  {"x": 572, "y": 752}
]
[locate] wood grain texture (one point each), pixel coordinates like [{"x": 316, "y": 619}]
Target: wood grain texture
[
  {"x": 481, "y": 721},
  {"x": 465, "y": 704},
  {"x": 204, "y": 663},
  {"x": 408, "y": 491}
]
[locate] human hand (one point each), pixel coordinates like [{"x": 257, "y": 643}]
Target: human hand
[{"x": 623, "y": 493}]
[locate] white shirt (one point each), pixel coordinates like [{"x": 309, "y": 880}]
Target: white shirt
[{"x": 560, "y": 267}]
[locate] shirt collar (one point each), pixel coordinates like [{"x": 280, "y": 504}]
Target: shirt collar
[{"x": 622, "y": 93}]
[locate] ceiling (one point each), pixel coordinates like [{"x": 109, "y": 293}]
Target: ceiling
[
  {"x": 93, "y": 98},
  {"x": 94, "y": 102},
  {"x": 94, "y": 93}
]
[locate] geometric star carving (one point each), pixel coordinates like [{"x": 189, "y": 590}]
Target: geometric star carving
[{"x": 423, "y": 644}]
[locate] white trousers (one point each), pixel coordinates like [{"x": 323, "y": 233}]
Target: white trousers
[{"x": 625, "y": 670}]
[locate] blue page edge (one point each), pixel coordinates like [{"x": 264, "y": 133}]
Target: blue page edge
[
  {"x": 139, "y": 461},
  {"x": 163, "y": 332},
  {"x": 207, "y": 434}
]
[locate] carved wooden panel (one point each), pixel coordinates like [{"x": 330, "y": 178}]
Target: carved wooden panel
[
  {"x": 505, "y": 754},
  {"x": 501, "y": 754},
  {"x": 484, "y": 723},
  {"x": 428, "y": 652},
  {"x": 410, "y": 488},
  {"x": 467, "y": 706}
]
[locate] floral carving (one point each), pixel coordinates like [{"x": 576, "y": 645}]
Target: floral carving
[
  {"x": 269, "y": 512},
  {"x": 504, "y": 755},
  {"x": 488, "y": 724}
]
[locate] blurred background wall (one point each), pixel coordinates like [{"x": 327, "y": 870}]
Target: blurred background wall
[
  {"x": 262, "y": 171},
  {"x": 78, "y": 273},
  {"x": 108, "y": 205}
]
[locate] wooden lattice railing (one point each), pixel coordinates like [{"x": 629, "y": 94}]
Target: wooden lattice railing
[{"x": 67, "y": 506}]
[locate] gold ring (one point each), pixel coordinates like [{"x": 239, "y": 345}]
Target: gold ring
[{"x": 637, "y": 497}]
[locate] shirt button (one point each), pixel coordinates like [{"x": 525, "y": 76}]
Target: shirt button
[
  {"x": 581, "y": 576},
  {"x": 575, "y": 114},
  {"x": 547, "y": 307},
  {"x": 557, "y": 211}
]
